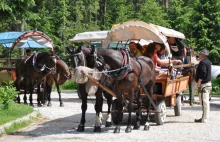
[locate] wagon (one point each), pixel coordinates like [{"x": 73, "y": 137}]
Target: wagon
[
  {"x": 11, "y": 40},
  {"x": 167, "y": 89}
]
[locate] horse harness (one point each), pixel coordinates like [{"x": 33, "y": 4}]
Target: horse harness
[{"x": 41, "y": 68}]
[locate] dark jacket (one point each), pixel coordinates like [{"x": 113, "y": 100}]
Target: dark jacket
[
  {"x": 203, "y": 71},
  {"x": 180, "y": 46}
]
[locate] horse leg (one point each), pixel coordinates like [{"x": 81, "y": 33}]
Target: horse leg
[
  {"x": 38, "y": 96},
  {"x": 31, "y": 88},
  {"x": 119, "y": 113},
  {"x": 81, "y": 126},
  {"x": 138, "y": 113},
  {"x": 25, "y": 96},
  {"x": 98, "y": 109},
  {"x": 109, "y": 102},
  {"x": 149, "y": 88},
  {"x": 59, "y": 92},
  {"x": 17, "y": 85},
  {"x": 130, "y": 109},
  {"x": 49, "y": 89}
]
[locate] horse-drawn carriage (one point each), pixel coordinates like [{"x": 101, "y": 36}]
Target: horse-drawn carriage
[
  {"x": 28, "y": 71},
  {"x": 167, "y": 86}
]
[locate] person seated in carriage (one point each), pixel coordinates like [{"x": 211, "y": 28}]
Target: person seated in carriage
[
  {"x": 134, "y": 51},
  {"x": 153, "y": 49}
]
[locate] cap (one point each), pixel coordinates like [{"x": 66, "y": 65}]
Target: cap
[{"x": 204, "y": 52}]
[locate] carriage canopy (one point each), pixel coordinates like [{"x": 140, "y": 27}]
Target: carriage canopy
[
  {"x": 132, "y": 30},
  {"x": 30, "y": 39},
  {"x": 90, "y": 36}
]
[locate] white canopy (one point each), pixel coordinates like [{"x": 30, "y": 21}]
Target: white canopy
[
  {"x": 90, "y": 36},
  {"x": 132, "y": 30},
  {"x": 170, "y": 32}
]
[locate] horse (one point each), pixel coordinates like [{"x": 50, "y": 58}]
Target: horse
[
  {"x": 128, "y": 74},
  {"x": 61, "y": 75},
  {"x": 79, "y": 58},
  {"x": 31, "y": 70}
]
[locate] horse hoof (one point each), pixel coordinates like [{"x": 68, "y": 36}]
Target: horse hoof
[
  {"x": 25, "y": 103},
  {"x": 117, "y": 130},
  {"x": 136, "y": 126},
  {"x": 128, "y": 130},
  {"x": 39, "y": 105},
  {"x": 108, "y": 124},
  {"x": 49, "y": 104},
  {"x": 31, "y": 104},
  {"x": 146, "y": 127},
  {"x": 61, "y": 105},
  {"x": 97, "y": 129},
  {"x": 80, "y": 129}
]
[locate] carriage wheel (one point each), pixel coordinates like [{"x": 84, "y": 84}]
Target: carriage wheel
[
  {"x": 177, "y": 108},
  {"x": 161, "y": 116},
  {"x": 78, "y": 92},
  {"x": 114, "y": 111}
]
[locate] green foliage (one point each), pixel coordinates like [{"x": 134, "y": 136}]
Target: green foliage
[
  {"x": 69, "y": 85},
  {"x": 7, "y": 95},
  {"x": 152, "y": 12},
  {"x": 216, "y": 85}
]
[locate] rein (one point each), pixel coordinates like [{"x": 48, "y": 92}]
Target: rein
[{"x": 44, "y": 67}]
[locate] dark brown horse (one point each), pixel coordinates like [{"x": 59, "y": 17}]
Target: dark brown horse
[
  {"x": 79, "y": 58},
  {"x": 127, "y": 79},
  {"x": 60, "y": 76},
  {"x": 32, "y": 70}
]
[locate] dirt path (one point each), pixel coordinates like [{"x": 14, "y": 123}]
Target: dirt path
[{"x": 60, "y": 123}]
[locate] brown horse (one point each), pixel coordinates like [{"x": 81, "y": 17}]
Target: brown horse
[
  {"x": 79, "y": 58},
  {"x": 60, "y": 76},
  {"x": 32, "y": 70},
  {"x": 127, "y": 79}
]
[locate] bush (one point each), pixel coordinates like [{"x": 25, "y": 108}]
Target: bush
[
  {"x": 216, "y": 85},
  {"x": 7, "y": 95},
  {"x": 69, "y": 85}
]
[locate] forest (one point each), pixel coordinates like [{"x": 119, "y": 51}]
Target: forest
[{"x": 199, "y": 20}]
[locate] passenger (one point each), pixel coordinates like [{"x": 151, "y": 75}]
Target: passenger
[
  {"x": 162, "y": 53},
  {"x": 28, "y": 52},
  {"x": 152, "y": 53},
  {"x": 134, "y": 51}
]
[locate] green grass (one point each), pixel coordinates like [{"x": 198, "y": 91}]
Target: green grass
[
  {"x": 13, "y": 112},
  {"x": 18, "y": 125}
]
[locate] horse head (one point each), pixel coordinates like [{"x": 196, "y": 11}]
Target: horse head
[
  {"x": 78, "y": 56},
  {"x": 93, "y": 60},
  {"x": 43, "y": 61},
  {"x": 63, "y": 70}
]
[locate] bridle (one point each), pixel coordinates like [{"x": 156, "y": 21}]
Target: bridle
[{"x": 76, "y": 57}]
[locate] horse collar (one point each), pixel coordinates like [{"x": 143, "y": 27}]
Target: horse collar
[
  {"x": 126, "y": 67},
  {"x": 37, "y": 69}
]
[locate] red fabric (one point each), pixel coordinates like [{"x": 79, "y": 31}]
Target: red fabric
[{"x": 154, "y": 59}]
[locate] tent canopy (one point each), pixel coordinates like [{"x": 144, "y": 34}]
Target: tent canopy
[
  {"x": 31, "y": 39},
  {"x": 90, "y": 36}
]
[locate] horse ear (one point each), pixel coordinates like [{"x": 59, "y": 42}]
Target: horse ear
[
  {"x": 69, "y": 50},
  {"x": 93, "y": 49}
]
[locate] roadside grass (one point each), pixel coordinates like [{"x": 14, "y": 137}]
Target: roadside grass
[
  {"x": 18, "y": 125},
  {"x": 13, "y": 112}
]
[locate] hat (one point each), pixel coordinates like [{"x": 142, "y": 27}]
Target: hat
[{"x": 204, "y": 52}]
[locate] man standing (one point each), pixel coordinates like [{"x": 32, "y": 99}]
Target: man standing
[{"x": 203, "y": 79}]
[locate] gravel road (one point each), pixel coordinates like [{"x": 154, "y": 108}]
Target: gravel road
[{"x": 60, "y": 123}]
